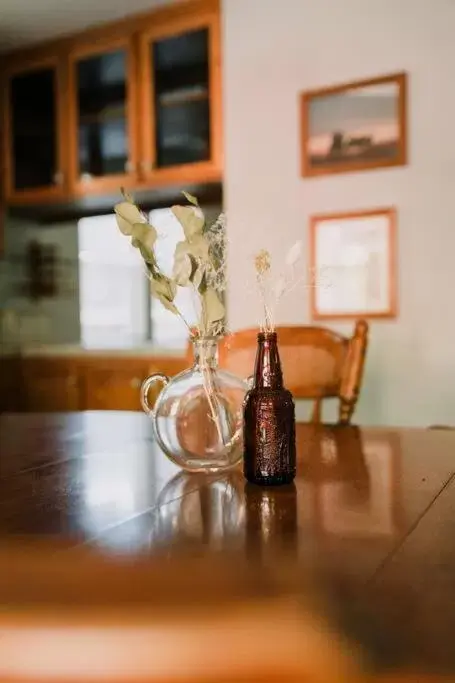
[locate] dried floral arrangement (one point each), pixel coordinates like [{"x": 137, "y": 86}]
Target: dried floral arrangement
[
  {"x": 199, "y": 261},
  {"x": 199, "y": 264},
  {"x": 272, "y": 289}
]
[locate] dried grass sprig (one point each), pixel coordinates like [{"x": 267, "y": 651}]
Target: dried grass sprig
[{"x": 272, "y": 290}]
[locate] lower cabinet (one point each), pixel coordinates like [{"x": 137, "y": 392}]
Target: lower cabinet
[
  {"x": 113, "y": 389},
  {"x": 11, "y": 384},
  {"x": 50, "y": 385},
  {"x": 85, "y": 383},
  {"x": 114, "y": 384}
]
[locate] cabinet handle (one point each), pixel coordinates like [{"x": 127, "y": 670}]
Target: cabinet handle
[
  {"x": 58, "y": 178},
  {"x": 135, "y": 383},
  {"x": 71, "y": 381},
  {"x": 129, "y": 167}
]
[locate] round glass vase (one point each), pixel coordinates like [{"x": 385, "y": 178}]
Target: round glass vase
[{"x": 197, "y": 417}]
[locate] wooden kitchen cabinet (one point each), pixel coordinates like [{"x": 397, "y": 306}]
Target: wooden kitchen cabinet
[
  {"x": 114, "y": 383},
  {"x": 11, "y": 385},
  {"x": 33, "y": 132},
  {"x": 134, "y": 104},
  {"x": 51, "y": 385},
  {"x": 180, "y": 99},
  {"x": 102, "y": 117},
  {"x": 115, "y": 386},
  {"x": 87, "y": 382}
]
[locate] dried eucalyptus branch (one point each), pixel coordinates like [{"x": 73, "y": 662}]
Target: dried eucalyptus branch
[
  {"x": 199, "y": 264},
  {"x": 199, "y": 261}
]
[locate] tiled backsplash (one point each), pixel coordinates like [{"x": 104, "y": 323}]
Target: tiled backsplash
[{"x": 47, "y": 320}]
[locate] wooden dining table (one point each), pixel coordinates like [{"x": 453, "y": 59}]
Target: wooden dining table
[{"x": 370, "y": 519}]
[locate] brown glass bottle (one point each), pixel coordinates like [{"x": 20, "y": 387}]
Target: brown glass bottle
[{"x": 269, "y": 420}]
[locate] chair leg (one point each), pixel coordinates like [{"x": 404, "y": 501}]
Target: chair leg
[
  {"x": 346, "y": 411},
  {"x": 316, "y": 414}
]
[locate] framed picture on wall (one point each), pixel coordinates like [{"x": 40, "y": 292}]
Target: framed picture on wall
[
  {"x": 353, "y": 260},
  {"x": 354, "y": 126}
]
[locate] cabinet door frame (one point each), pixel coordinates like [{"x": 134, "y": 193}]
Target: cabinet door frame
[
  {"x": 199, "y": 171},
  {"x": 47, "y": 192},
  {"x": 102, "y": 184}
]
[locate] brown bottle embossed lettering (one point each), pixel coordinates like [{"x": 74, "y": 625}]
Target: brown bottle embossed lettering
[{"x": 269, "y": 420}]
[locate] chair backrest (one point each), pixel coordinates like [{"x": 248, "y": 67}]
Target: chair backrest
[{"x": 317, "y": 362}]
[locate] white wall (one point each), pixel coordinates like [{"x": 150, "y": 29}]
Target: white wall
[{"x": 273, "y": 49}]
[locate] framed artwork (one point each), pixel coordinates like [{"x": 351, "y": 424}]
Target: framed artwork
[
  {"x": 354, "y": 126},
  {"x": 353, "y": 260}
]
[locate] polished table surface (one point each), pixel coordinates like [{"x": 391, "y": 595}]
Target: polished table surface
[{"x": 371, "y": 515}]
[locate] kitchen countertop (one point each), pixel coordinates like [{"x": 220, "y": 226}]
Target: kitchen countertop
[{"x": 74, "y": 350}]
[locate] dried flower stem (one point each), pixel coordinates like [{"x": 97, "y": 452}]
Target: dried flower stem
[
  {"x": 209, "y": 390},
  {"x": 267, "y": 326}
]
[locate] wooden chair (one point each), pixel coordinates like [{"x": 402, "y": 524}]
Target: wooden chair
[{"x": 317, "y": 363}]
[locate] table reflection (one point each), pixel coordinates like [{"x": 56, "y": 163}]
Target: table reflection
[
  {"x": 356, "y": 481},
  {"x": 347, "y": 488},
  {"x": 199, "y": 509},
  {"x": 271, "y": 520},
  {"x": 119, "y": 484}
]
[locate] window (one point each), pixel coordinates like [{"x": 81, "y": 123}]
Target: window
[{"x": 116, "y": 309}]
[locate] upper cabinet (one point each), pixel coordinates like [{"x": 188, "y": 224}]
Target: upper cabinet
[
  {"x": 136, "y": 105},
  {"x": 102, "y": 117},
  {"x": 180, "y": 100},
  {"x": 32, "y": 144}
]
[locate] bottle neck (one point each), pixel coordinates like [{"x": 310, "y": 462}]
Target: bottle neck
[
  {"x": 205, "y": 352},
  {"x": 267, "y": 371}
]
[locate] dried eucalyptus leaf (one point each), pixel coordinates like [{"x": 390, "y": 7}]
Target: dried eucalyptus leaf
[
  {"x": 147, "y": 255},
  {"x": 127, "y": 215},
  {"x": 164, "y": 289},
  {"x": 213, "y": 309},
  {"x": 182, "y": 270},
  {"x": 198, "y": 275},
  {"x": 145, "y": 234},
  {"x": 198, "y": 248},
  {"x": 190, "y": 198},
  {"x": 191, "y": 219}
]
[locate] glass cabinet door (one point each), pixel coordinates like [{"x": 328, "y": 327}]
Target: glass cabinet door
[
  {"x": 34, "y": 159},
  {"x": 180, "y": 98},
  {"x": 101, "y": 100}
]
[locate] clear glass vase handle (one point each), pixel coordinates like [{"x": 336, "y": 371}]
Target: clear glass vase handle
[{"x": 145, "y": 388}]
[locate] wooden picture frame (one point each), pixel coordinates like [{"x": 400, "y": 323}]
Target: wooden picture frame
[
  {"x": 353, "y": 260},
  {"x": 344, "y": 131}
]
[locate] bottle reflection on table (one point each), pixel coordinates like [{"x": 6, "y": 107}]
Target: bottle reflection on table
[{"x": 270, "y": 520}]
